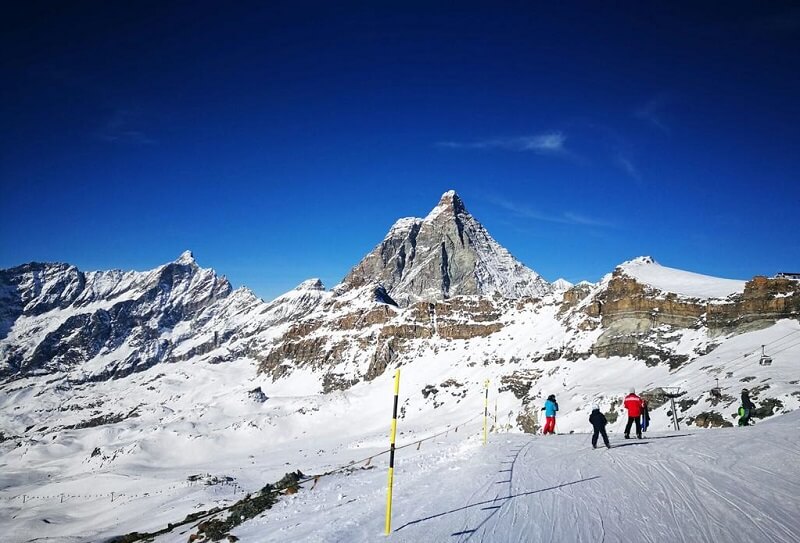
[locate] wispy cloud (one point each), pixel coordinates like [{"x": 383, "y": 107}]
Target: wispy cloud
[
  {"x": 627, "y": 166},
  {"x": 552, "y": 143},
  {"x": 651, "y": 111},
  {"x": 566, "y": 217},
  {"x": 125, "y": 126}
]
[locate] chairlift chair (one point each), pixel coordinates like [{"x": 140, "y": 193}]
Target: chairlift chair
[
  {"x": 764, "y": 360},
  {"x": 716, "y": 392}
]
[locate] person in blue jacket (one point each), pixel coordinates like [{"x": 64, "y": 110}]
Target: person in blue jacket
[
  {"x": 550, "y": 408},
  {"x": 645, "y": 415}
]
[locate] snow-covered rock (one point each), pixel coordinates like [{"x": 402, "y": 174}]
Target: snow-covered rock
[
  {"x": 561, "y": 285},
  {"x": 448, "y": 253}
]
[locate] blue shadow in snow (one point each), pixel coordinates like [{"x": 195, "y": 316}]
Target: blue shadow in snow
[{"x": 493, "y": 502}]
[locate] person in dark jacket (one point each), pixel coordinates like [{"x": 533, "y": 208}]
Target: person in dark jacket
[
  {"x": 645, "y": 415},
  {"x": 598, "y": 421},
  {"x": 746, "y": 410}
]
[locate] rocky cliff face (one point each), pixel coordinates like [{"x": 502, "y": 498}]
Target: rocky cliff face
[
  {"x": 637, "y": 318},
  {"x": 446, "y": 254}
]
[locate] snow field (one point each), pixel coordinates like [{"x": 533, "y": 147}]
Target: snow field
[
  {"x": 726, "y": 485},
  {"x": 194, "y": 418}
]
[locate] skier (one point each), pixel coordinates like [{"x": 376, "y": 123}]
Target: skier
[
  {"x": 633, "y": 404},
  {"x": 550, "y": 408},
  {"x": 746, "y": 409},
  {"x": 598, "y": 421},
  {"x": 645, "y": 415}
]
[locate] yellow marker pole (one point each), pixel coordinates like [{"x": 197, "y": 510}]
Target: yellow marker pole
[
  {"x": 485, "y": 411},
  {"x": 391, "y": 454}
]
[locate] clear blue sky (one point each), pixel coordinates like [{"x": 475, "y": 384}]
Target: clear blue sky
[{"x": 279, "y": 141}]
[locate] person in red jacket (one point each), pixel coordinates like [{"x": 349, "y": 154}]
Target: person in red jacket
[{"x": 633, "y": 404}]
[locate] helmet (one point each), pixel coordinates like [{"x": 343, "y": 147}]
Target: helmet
[
  {"x": 745, "y": 390},
  {"x": 595, "y": 407},
  {"x": 632, "y": 390}
]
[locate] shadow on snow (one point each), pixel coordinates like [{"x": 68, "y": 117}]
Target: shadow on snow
[{"x": 494, "y": 501}]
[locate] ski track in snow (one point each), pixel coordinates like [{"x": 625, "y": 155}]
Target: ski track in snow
[{"x": 694, "y": 486}]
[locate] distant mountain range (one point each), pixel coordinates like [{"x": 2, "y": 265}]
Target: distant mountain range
[{"x": 428, "y": 285}]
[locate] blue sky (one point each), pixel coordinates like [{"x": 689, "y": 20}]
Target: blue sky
[{"x": 280, "y": 141}]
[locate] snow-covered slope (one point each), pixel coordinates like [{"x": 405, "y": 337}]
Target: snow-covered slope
[
  {"x": 691, "y": 285},
  {"x": 146, "y": 436},
  {"x": 733, "y": 485}
]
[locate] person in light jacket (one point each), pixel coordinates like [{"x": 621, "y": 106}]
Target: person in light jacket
[{"x": 550, "y": 408}]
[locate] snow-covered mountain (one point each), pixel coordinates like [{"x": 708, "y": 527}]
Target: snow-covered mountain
[
  {"x": 448, "y": 253},
  {"x": 102, "y": 373},
  {"x": 109, "y": 324},
  {"x": 561, "y": 285}
]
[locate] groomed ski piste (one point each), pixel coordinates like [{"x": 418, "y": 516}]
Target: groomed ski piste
[{"x": 736, "y": 484}]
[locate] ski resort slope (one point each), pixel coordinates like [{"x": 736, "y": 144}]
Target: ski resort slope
[{"x": 725, "y": 485}]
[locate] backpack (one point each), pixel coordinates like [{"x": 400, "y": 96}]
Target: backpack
[{"x": 741, "y": 411}]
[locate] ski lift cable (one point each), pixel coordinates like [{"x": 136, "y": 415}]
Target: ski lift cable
[
  {"x": 792, "y": 343},
  {"x": 759, "y": 355},
  {"x": 784, "y": 348},
  {"x": 784, "y": 345},
  {"x": 777, "y": 343},
  {"x": 772, "y": 343}
]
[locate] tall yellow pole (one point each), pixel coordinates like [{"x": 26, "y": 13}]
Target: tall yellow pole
[
  {"x": 485, "y": 411},
  {"x": 391, "y": 454}
]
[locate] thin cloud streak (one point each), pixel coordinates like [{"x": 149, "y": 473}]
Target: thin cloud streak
[
  {"x": 650, "y": 112},
  {"x": 566, "y": 217},
  {"x": 627, "y": 166},
  {"x": 546, "y": 143},
  {"x": 124, "y": 126}
]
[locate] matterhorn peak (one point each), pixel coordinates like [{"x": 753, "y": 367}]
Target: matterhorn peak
[
  {"x": 450, "y": 204},
  {"x": 449, "y": 253},
  {"x": 186, "y": 258}
]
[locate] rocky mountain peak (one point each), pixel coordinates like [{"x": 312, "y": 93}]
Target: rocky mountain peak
[
  {"x": 638, "y": 261},
  {"x": 561, "y": 285},
  {"x": 450, "y": 205},
  {"x": 448, "y": 253},
  {"x": 186, "y": 258},
  {"x": 311, "y": 284}
]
